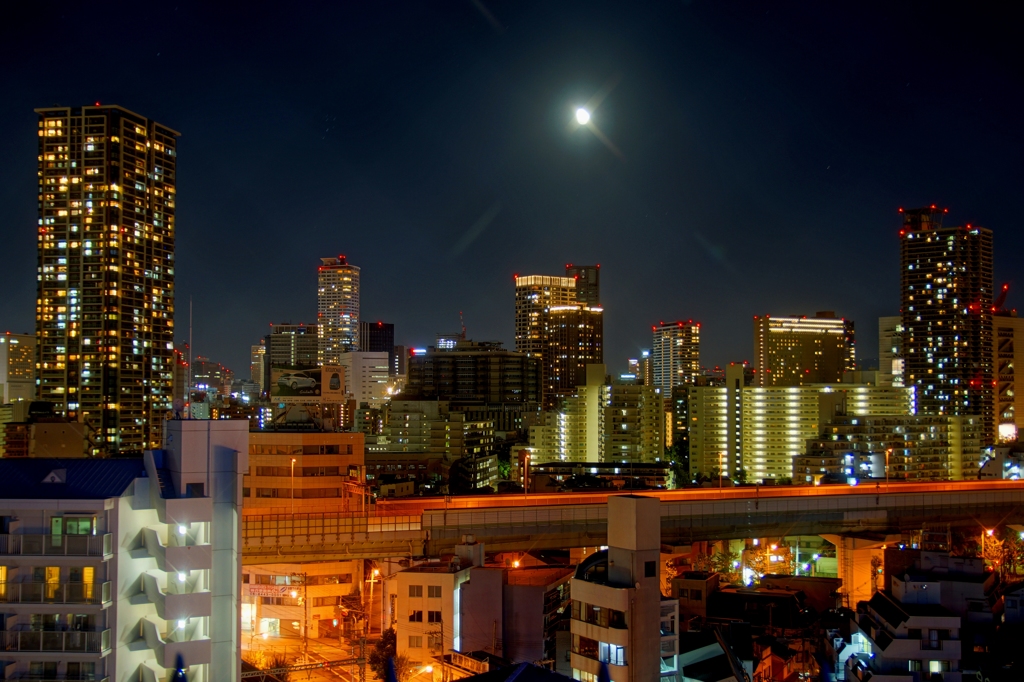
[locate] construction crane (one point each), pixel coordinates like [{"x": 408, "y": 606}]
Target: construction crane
[{"x": 997, "y": 305}]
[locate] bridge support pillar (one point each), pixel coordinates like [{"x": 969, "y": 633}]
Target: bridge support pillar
[{"x": 854, "y": 559}]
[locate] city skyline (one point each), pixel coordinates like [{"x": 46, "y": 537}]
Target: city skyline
[{"x": 725, "y": 198}]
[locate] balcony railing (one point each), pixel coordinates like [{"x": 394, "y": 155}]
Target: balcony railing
[
  {"x": 931, "y": 645},
  {"x": 55, "y": 593},
  {"x": 57, "y": 545},
  {"x": 73, "y": 641}
]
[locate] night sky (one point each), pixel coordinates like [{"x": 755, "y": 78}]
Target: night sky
[{"x": 763, "y": 150}]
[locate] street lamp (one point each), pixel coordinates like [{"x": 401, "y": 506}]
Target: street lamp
[
  {"x": 374, "y": 578},
  {"x": 293, "y": 489}
]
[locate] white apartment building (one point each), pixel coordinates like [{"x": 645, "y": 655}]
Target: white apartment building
[
  {"x": 427, "y": 610},
  {"x": 367, "y": 377},
  {"x": 760, "y": 430},
  {"x": 124, "y": 569},
  {"x": 617, "y": 616},
  {"x": 676, "y": 354}
]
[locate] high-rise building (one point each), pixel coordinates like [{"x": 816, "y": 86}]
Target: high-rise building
[
  {"x": 890, "y": 351},
  {"x": 475, "y": 372},
  {"x": 17, "y": 367},
  {"x": 794, "y": 351},
  {"x": 946, "y": 305},
  {"x": 575, "y": 337},
  {"x": 105, "y": 303},
  {"x": 588, "y": 283},
  {"x": 379, "y": 337},
  {"x": 675, "y": 354},
  {"x": 1008, "y": 354},
  {"x": 535, "y": 294},
  {"x": 256, "y": 361},
  {"x": 337, "y": 309}
]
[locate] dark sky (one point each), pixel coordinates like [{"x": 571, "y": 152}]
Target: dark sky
[{"x": 764, "y": 150}]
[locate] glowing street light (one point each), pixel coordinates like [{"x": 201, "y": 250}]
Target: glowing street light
[{"x": 582, "y": 116}]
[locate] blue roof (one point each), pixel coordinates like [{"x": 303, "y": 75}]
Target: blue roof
[{"x": 74, "y": 479}]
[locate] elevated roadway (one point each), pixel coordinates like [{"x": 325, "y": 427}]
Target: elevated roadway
[{"x": 433, "y": 526}]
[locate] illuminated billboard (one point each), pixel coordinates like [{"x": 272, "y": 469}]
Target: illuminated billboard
[{"x": 307, "y": 384}]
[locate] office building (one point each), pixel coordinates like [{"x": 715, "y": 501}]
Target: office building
[
  {"x": 915, "y": 448},
  {"x": 475, "y": 372},
  {"x": 96, "y": 548},
  {"x": 753, "y": 433},
  {"x": 297, "y": 465},
  {"x": 337, "y": 309},
  {"x": 379, "y": 337},
  {"x": 617, "y": 602},
  {"x": 257, "y": 358},
  {"x": 366, "y": 377},
  {"x": 211, "y": 377},
  {"x": 17, "y": 367},
  {"x": 105, "y": 302},
  {"x": 675, "y": 354},
  {"x": 427, "y": 615},
  {"x": 290, "y": 346},
  {"x": 1007, "y": 337},
  {"x": 317, "y": 596},
  {"x": 575, "y": 338},
  {"x": 890, "y": 351},
  {"x": 588, "y": 283},
  {"x": 946, "y": 304},
  {"x": 794, "y": 351}
]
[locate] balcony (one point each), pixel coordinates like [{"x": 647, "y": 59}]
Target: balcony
[
  {"x": 76, "y": 641},
  {"x": 175, "y": 557},
  {"x": 55, "y": 593},
  {"x": 57, "y": 545},
  {"x": 179, "y": 600},
  {"x": 194, "y": 648}
]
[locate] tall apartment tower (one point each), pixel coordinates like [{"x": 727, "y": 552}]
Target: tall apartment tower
[
  {"x": 534, "y": 294},
  {"x": 337, "y": 309},
  {"x": 794, "y": 351},
  {"x": 1008, "y": 347},
  {"x": 675, "y": 354},
  {"x": 105, "y": 303},
  {"x": 588, "y": 282},
  {"x": 575, "y": 339},
  {"x": 257, "y": 358},
  {"x": 946, "y": 305}
]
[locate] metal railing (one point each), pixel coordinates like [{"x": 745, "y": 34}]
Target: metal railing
[
  {"x": 75, "y": 640},
  {"x": 57, "y": 545},
  {"x": 55, "y": 593}
]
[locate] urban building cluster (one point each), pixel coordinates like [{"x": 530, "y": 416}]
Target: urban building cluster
[{"x": 161, "y": 513}]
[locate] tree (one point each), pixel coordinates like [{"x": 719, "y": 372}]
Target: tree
[
  {"x": 404, "y": 668},
  {"x": 725, "y": 563},
  {"x": 386, "y": 647},
  {"x": 877, "y": 565}
]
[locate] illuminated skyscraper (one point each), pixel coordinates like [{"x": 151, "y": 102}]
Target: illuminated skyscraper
[
  {"x": 379, "y": 337},
  {"x": 575, "y": 339},
  {"x": 890, "y": 351},
  {"x": 105, "y": 304},
  {"x": 794, "y": 351},
  {"x": 588, "y": 282},
  {"x": 946, "y": 306},
  {"x": 337, "y": 309},
  {"x": 534, "y": 294},
  {"x": 675, "y": 354},
  {"x": 256, "y": 360},
  {"x": 17, "y": 367}
]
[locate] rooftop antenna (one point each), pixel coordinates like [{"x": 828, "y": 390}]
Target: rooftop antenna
[
  {"x": 463, "y": 323},
  {"x": 188, "y": 389}
]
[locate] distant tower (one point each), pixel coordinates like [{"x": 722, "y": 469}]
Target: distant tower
[
  {"x": 535, "y": 293},
  {"x": 588, "y": 282},
  {"x": 337, "y": 309},
  {"x": 793, "y": 351},
  {"x": 675, "y": 354},
  {"x": 105, "y": 301},
  {"x": 946, "y": 305}
]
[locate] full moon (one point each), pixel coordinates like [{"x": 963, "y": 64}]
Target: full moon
[{"x": 582, "y": 116}]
